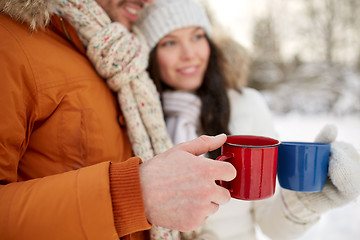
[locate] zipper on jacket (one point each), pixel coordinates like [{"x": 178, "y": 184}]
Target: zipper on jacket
[{"x": 64, "y": 29}]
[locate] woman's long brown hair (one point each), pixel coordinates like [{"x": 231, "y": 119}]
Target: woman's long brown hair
[{"x": 215, "y": 106}]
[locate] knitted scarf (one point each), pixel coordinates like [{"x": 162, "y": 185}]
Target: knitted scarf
[{"x": 121, "y": 58}]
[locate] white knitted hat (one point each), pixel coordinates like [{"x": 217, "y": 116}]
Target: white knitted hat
[{"x": 158, "y": 19}]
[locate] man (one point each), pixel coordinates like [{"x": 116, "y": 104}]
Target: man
[{"x": 66, "y": 165}]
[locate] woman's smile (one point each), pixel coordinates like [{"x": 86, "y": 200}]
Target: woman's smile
[{"x": 189, "y": 71}]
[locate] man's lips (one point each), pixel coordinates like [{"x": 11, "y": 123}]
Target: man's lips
[{"x": 132, "y": 10}]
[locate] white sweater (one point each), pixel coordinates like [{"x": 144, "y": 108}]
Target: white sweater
[{"x": 249, "y": 115}]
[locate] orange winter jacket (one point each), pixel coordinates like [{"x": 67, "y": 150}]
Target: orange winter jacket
[{"x": 66, "y": 170}]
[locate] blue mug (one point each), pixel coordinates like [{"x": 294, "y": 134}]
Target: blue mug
[{"x": 303, "y": 166}]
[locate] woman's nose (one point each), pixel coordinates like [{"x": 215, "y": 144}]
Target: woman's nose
[{"x": 188, "y": 51}]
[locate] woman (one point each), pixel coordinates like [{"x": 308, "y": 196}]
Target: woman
[
  {"x": 188, "y": 60},
  {"x": 189, "y": 72}
]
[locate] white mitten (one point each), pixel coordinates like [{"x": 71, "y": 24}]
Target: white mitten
[{"x": 342, "y": 185}]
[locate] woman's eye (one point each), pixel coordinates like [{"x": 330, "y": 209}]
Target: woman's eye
[
  {"x": 199, "y": 36},
  {"x": 168, "y": 43}
]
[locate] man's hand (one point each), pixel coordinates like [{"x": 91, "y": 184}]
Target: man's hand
[{"x": 179, "y": 188}]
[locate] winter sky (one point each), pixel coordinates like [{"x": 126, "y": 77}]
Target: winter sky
[{"x": 238, "y": 17}]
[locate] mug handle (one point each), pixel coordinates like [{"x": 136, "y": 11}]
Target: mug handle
[{"x": 225, "y": 157}]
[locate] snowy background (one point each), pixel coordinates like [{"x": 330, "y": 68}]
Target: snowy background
[{"x": 304, "y": 87}]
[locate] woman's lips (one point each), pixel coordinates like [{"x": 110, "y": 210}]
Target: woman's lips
[{"x": 188, "y": 71}]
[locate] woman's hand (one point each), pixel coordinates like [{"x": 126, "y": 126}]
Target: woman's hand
[{"x": 342, "y": 186}]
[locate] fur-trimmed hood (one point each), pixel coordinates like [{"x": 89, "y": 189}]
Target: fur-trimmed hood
[
  {"x": 36, "y": 13},
  {"x": 235, "y": 58}
]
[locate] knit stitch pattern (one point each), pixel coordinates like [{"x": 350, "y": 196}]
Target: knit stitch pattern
[{"x": 121, "y": 58}]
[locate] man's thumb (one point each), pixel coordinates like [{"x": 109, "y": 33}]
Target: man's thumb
[{"x": 203, "y": 144}]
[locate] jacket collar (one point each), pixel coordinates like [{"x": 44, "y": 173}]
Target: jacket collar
[
  {"x": 39, "y": 14},
  {"x": 35, "y": 13}
]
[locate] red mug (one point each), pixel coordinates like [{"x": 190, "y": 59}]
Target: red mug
[{"x": 255, "y": 160}]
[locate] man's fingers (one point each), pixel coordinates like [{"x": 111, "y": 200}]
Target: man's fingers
[
  {"x": 223, "y": 171},
  {"x": 213, "y": 208},
  {"x": 203, "y": 144},
  {"x": 223, "y": 195}
]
